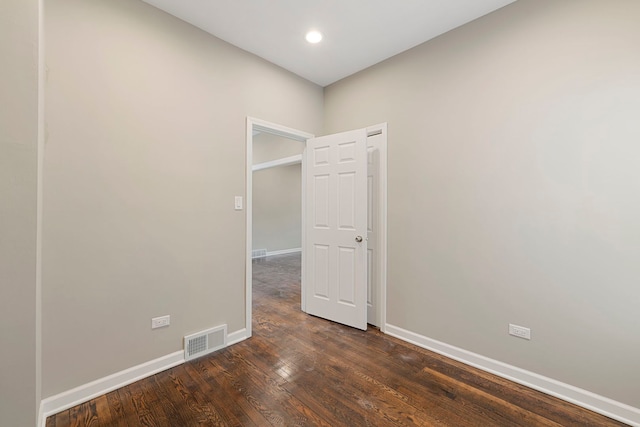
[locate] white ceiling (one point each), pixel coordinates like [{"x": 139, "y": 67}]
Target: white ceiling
[{"x": 357, "y": 33}]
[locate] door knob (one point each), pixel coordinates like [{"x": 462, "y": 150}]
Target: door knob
[{"x": 358, "y": 239}]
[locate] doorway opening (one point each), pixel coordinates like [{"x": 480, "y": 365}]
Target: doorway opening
[
  {"x": 277, "y": 195},
  {"x": 289, "y": 150},
  {"x": 276, "y": 135}
]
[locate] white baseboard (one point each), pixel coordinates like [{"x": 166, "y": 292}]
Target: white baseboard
[
  {"x": 236, "y": 337},
  {"x": 586, "y": 399},
  {"x": 70, "y": 398},
  {"x": 284, "y": 251}
]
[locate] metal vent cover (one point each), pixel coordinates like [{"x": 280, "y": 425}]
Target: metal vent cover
[{"x": 205, "y": 342}]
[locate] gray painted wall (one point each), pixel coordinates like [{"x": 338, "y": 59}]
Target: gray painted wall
[
  {"x": 277, "y": 208},
  {"x": 514, "y": 187},
  {"x": 19, "y": 381},
  {"x": 146, "y": 151},
  {"x": 277, "y": 195}
]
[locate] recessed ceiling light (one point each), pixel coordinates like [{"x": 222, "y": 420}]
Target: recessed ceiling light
[{"x": 313, "y": 36}]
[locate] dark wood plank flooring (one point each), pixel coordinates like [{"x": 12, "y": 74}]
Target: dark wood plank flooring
[{"x": 299, "y": 370}]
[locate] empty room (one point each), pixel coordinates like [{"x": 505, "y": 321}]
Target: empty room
[{"x": 467, "y": 234}]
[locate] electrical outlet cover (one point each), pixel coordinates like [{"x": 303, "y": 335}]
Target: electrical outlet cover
[
  {"x": 520, "y": 331},
  {"x": 159, "y": 322}
]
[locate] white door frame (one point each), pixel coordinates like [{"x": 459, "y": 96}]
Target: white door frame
[
  {"x": 377, "y": 137},
  {"x": 254, "y": 124}
]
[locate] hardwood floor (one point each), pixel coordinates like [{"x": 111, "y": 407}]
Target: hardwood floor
[{"x": 298, "y": 370}]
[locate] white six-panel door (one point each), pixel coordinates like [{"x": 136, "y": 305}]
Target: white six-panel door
[{"x": 335, "y": 258}]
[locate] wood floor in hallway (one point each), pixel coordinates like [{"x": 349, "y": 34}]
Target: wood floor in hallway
[{"x": 299, "y": 370}]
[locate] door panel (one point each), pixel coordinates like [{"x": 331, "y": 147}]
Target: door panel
[
  {"x": 346, "y": 201},
  {"x": 320, "y": 203},
  {"x": 321, "y": 268},
  {"x": 346, "y": 276},
  {"x": 336, "y": 204}
]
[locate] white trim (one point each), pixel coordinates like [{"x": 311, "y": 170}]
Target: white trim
[
  {"x": 285, "y": 161},
  {"x": 237, "y": 336},
  {"x": 248, "y": 264},
  {"x": 276, "y": 129},
  {"x": 42, "y": 420},
  {"x": 586, "y": 399},
  {"x": 254, "y": 124},
  {"x": 70, "y": 398},
  {"x": 39, "y": 209},
  {"x": 284, "y": 251},
  {"x": 381, "y": 129},
  {"x": 303, "y": 231}
]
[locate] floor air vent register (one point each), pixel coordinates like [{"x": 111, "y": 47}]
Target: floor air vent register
[{"x": 205, "y": 342}]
